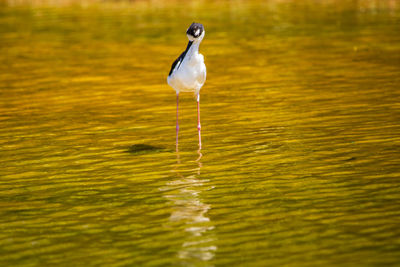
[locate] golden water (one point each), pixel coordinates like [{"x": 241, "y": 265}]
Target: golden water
[{"x": 300, "y": 163}]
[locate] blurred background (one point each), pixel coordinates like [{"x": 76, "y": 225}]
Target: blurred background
[{"x": 300, "y": 124}]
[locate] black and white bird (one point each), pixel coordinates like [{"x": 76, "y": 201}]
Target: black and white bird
[{"x": 188, "y": 72}]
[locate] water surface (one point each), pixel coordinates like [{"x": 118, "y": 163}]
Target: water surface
[{"x": 300, "y": 125}]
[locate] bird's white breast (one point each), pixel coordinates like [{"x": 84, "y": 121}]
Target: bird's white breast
[{"x": 190, "y": 74}]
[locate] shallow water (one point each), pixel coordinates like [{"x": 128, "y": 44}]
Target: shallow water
[{"x": 300, "y": 125}]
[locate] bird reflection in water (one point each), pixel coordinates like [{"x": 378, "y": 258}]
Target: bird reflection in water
[{"x": 190, "y": 213}]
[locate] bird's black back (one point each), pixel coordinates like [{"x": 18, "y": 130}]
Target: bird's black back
[{"x": 179, "y": 60}]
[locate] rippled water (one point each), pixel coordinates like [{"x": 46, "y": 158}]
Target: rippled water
[{"x": 300, "y": 124}]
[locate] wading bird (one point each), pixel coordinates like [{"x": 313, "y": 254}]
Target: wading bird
[{"x": 188, "y": 72}]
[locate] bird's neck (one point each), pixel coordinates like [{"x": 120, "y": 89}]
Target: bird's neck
[{"x": 194, "y": 48}]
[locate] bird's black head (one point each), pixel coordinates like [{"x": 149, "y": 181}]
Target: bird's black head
[{"x": 195, "y": 31}]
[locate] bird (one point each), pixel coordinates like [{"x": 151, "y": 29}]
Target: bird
[{"x": 188, "y": 72}]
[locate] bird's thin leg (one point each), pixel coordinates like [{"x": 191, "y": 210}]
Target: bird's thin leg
[
  {"x": 198, "y": 119},
  {"x": 177, "y": 119}
]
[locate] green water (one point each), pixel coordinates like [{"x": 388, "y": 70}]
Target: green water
[{"x": 300, "y": 163}]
